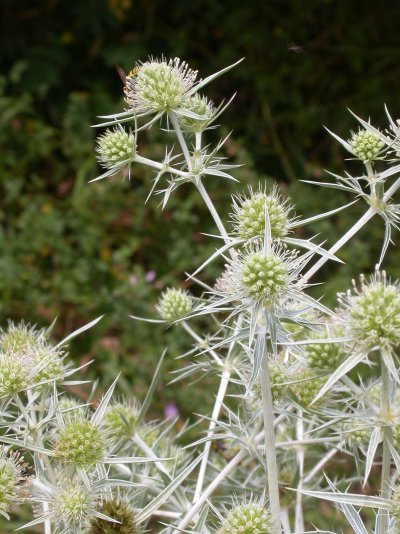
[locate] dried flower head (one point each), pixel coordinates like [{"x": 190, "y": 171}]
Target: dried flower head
[
  {"x": 247, "y": 518},
  {"x": 116, "y": 148},
  {"x": 119, "y": 510},
  {"x": 249, "y": 214},
  {"x": 174, "y": 304},
  {"x": 158, "y": 85},
  {"x": 366, "y": 145},
  {"x": 371, "y": 313}
]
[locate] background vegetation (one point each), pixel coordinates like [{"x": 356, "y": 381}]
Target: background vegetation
[{"x": 75, "y": 251}]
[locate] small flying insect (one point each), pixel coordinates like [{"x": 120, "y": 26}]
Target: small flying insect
[{"x": 122, "y": 74}]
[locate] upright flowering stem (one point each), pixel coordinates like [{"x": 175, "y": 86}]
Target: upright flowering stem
[
  {"x": 269, "y": 441},
  {"x": 204, "y": 195},
  {"x": 387, "y": 441}
]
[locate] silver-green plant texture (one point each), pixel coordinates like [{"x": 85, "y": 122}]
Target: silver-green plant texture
[{"x": 292, "y": 396}]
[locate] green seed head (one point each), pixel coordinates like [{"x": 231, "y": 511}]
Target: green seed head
[
  {"x": 249, "y": 215},
  {"x": 49, "y": 363},
  {"x": 264, "y": 276},
  {"x": 116, "y": 148},
  {"x": 119, "y": 510},
  {"x": 72, "y": 505},
  {"x": 80, "y": 443},
  {"x": 201, "y": 106},
  {"x": 159, "y": 86},
  {"x": 375, "y": 315},
  {"x": 324, "y": 356},
  {"x": 248, "y": 518},
  {"x": 307, "y": 386},
  {"x": 174, "y": 304},
  {"x": 355, "y": 435},
  {"x": 15, "y": 373},
  {"x": 366, "y": 145},
  {"x": 120, "y": 419}
]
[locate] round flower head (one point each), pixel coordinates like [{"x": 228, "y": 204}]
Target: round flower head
[
  {"x": 372, "y": 312},
  {"x": 119, "y": 510},
  {"x": 354, "y": 434},
  {"x": 120, "y": 419},
  {"x": 249, "y": 214},
  {"x": 324, "y": 356},
  {"x": 174, "y": 304},
  {"x": 159, "y": 86},
  {"x": 49, "y": 362},
  {"x": 15, "y": 372},
  {"x": 306, "y": 386},
  {"x": 200, "y": 105},
  {"x": 20, "y": 337},
  {"x": 366, "y": 145},
  {"x": 264, "y": 276},
  {"x": 12, "y": 476},
  {"x": 72, "y": 505},
  {"x": 247, "y": 518},
  {"x": 278, "y": 378},
  {"x": 116, "y": 148},
  {"x": 80, "y": 443}
]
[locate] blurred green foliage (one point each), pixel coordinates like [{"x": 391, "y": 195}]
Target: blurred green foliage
[{"x": 76, "y": 251}]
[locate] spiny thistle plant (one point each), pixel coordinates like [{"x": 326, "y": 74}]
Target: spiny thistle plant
[{"x": 307, "y": 406}]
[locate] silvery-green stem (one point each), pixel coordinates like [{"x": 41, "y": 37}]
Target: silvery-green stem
[
  {"x": 350, "y": 233},
  {"x": 204, "y": 195},
  {"x": 320, "y": 465},
  {"x": 342, "y": 241},
  {"x": 181, "y": 139},
  {"x": 214, "y": 418},
  {"x": 269, "y": 441},
  {"x": 200, "y": 341},
  {"x": 387, "y": 440},
  {"x": 299, "y": 518}
]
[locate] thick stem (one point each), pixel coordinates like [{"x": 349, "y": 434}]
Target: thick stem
[
  {"x": 269, "y": 441},
  {"x": 387, "y": 441}
]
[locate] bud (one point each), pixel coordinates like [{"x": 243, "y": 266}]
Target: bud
[
  {"x": 174, "y": 304},
  {"x": 159, "y": 86},
  {"x": 250, "y": 212},
  {"x": 80, "y": 443},
  {"x": 366, "y": 145},
  {"x": 116, "y": 148},
  {"x": 264, "y": 276},
  {"x": 119, "y": 510},
  {"x": 247, "y": 518},
  {"x": 200, "y": 105}
]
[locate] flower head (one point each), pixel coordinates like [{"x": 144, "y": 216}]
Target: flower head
[
  {"x": 80, "y": 443},
  {"x": 120, "y": 418},
  {"x": 15, "y": 372},
  {"x": 306, "y": 386},
  {"x": 12, "y": 477},
  {"x": 247, "y": 518},
  {"x": 366, "y": 145},
  {"x": 249, "y": 214},
  {"x": 354, "y": 434},
  {"x": 116, "y": 148},
  {"x": 324, "y": 356},
  {"x": 159, "y": 86},
  {"x": 20, "y": 337},
  {"x": 119, "y": 510},
  {"x": 73, "y": 504},
  {"x": 174, "y": 304},
  {"x": 371, "y": 313},
  {"x": 201, "y": 106}
]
